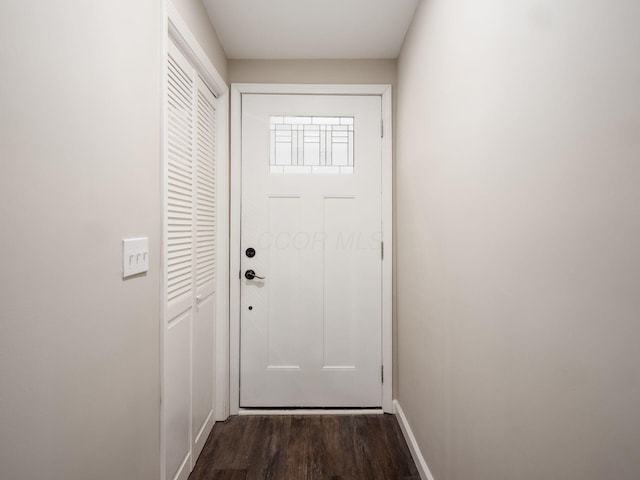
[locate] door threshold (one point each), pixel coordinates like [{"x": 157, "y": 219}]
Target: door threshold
[{"x": 310, "y": 411}]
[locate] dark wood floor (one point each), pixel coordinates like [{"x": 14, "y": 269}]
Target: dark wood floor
[{"x": 306, "y": 447}]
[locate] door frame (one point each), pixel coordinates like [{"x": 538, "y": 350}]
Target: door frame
[
  {"x": 386, "y": 131},
  {"x": 175, "y": 29}
]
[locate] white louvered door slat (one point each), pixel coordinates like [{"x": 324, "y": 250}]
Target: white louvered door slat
[
  {"x": 206, "y": 191},
  {"x": 181, "y": 145}
]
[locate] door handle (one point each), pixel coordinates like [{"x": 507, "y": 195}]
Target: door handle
[{"x": 250, "y": 275}]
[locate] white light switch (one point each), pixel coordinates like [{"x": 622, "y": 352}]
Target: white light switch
[{"x": 135, "y": 256}]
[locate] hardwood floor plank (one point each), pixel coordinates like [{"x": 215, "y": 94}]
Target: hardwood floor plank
[
  {"x": 396, "y": 444},
  {"x": 296, "y": 456},
  {"x": 381, "y": 458},
  {"x": 267, "y": 447},
  {"x": 228, "y": 474},
  {"x": 339, "y": 463},
  {"x": 362, "y": 448},
  {"x": 319, "y": 463}
]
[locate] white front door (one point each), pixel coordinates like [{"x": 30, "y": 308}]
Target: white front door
[{"x": 310, "y": 333}]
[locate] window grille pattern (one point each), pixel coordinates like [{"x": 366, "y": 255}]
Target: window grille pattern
[{"x": 311, "y": 144}]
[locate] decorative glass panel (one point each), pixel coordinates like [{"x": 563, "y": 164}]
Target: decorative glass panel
[{"x": 311, "y": 145}]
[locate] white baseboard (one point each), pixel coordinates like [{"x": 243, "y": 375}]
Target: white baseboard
[
  {"x": 419, "y": 460},
  {"x": 185, "y": 468},
  {"x": 311, "y": 411}
]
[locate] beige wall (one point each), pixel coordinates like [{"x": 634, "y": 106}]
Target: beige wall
[
  {"x": 518, "y": 201},
  {"x": 80, "y": 170},
  {"x": 194, "y": 14},
  {"x": 312, "y": 71}
]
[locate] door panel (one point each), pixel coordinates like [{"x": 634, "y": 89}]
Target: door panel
[
  {"x": 339, "y": 319},
  {"x": 178, "y": 393},
  {"x": 283, "y": 328},
  {"x": 311, "y": 209},
  {"x": 203, "y": 374}
]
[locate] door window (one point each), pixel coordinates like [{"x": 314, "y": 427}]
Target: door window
[{"x": 311, "y": 144}]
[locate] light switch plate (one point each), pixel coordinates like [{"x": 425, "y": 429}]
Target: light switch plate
[{"x": 135, "y": 256}]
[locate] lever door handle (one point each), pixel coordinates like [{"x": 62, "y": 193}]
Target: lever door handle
[{"x": 250, "y": 275}]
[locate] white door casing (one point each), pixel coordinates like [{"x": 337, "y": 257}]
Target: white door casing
[{"x": 318, "y": 330}]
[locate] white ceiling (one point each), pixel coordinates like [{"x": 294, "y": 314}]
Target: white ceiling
[{"x": 310, "y": 29}]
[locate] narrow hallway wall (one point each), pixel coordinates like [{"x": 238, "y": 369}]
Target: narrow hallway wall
[
  {"x": 80, "y": 159},
  {"x": 518, "y": 201},
  {"x": 80, "y": 154},
  {"x": 194, "y": 13}
]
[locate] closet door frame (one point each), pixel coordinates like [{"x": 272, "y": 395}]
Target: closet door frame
[{"x": 175, "y": 29}]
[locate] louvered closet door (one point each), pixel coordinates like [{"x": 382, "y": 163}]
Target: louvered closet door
[
  {"x": 205, "y": 263},
  {"x": 190, "y": 265},
  {"x": 179, "y": 264}
]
